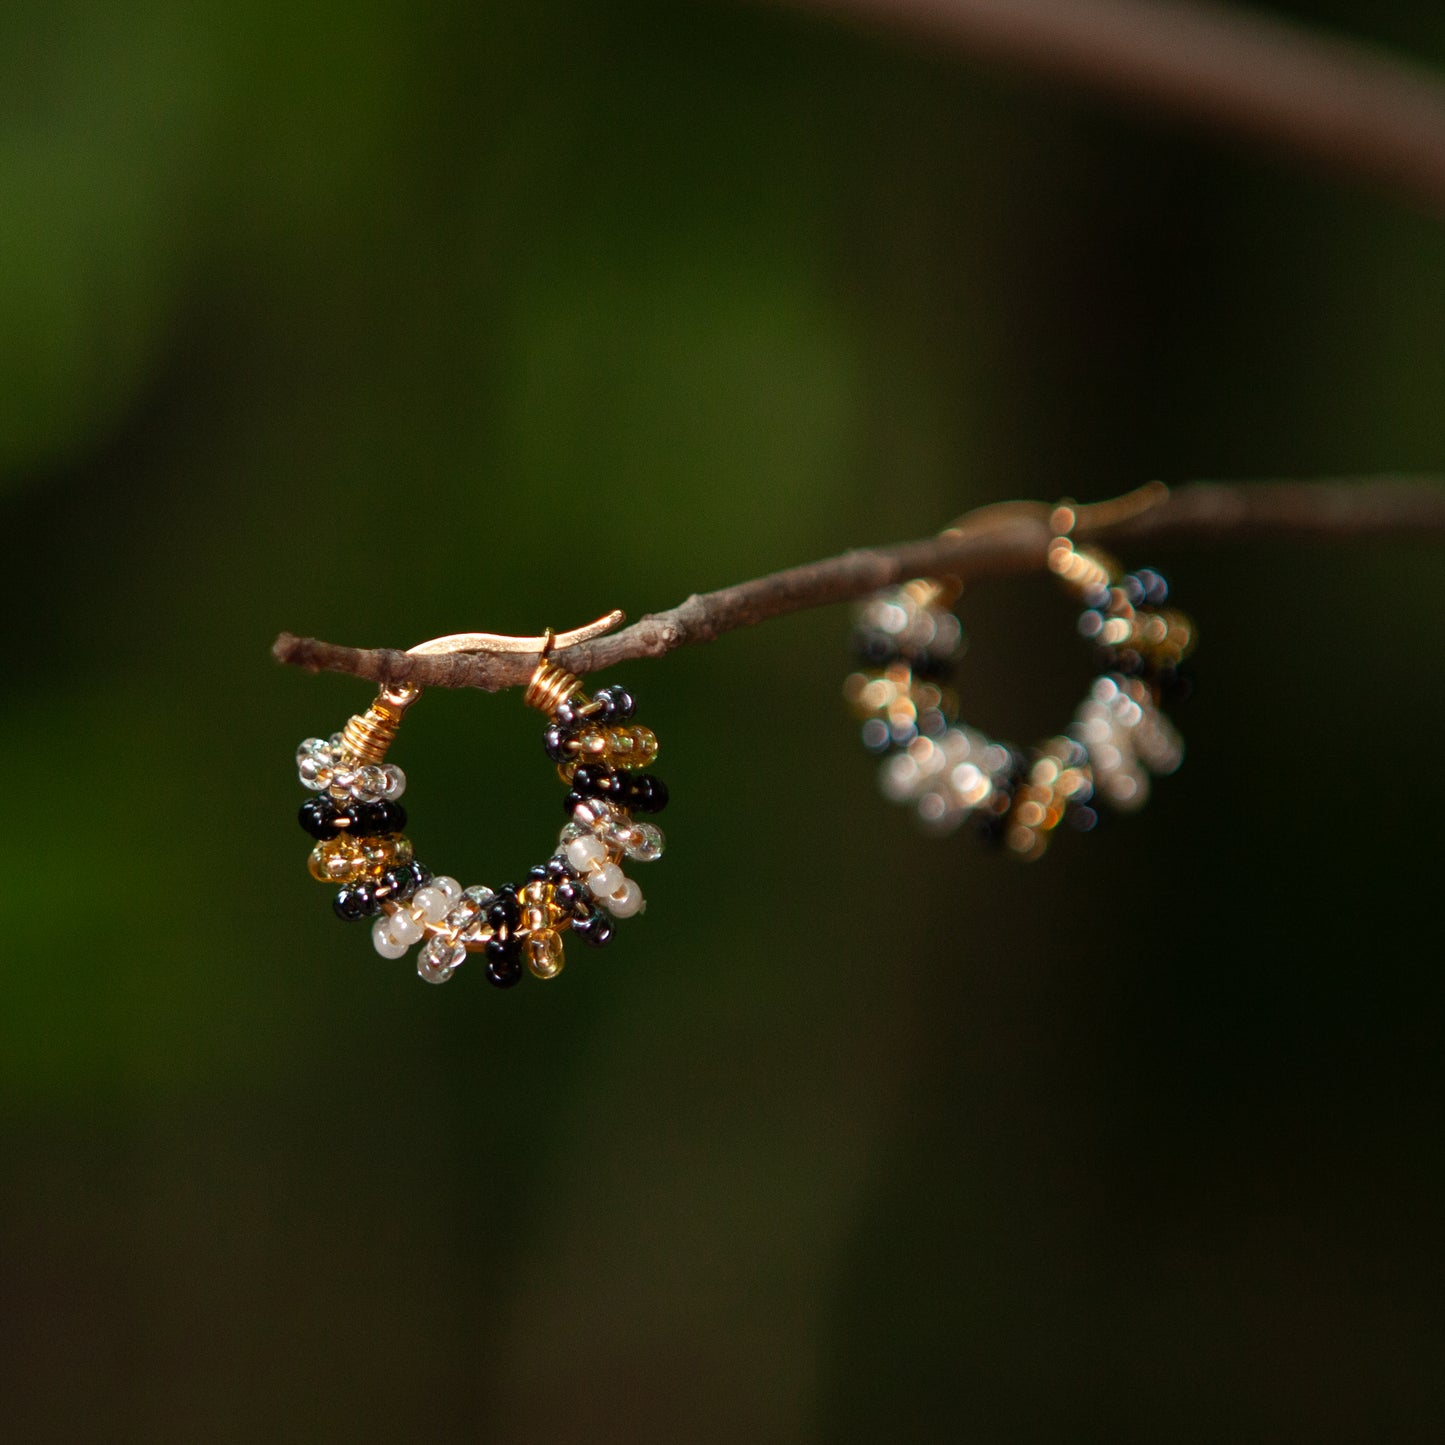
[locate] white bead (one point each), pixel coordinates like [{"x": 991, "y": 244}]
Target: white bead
[
  {"x": 432, "y": 903},
  {"x": 606, "y": 880},
  {"x": 395, "y": 782},
  {"x": 586, "y": 853},
  {"x": 387, "y": 944},
  {"x": 450, "y": 887},
  {"x": 406, "y": 928},
  {"x": 625, "y": 901}
]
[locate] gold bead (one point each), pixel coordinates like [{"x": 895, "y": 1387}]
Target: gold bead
[
  {"x": 316, "y": 864},
  {"x": 545, "y": 954},
  {"x": 592, "y": 742}
]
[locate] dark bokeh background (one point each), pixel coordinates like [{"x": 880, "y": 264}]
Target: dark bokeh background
[{"x": 377, "y": 321}]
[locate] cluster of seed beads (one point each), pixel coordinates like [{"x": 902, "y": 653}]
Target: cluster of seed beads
[
  {"x": 580, "y": 889},
  {"x": 908, "y": 642}
]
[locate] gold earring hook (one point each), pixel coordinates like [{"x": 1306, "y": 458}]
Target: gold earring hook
[{"x": 500, "y": 642}]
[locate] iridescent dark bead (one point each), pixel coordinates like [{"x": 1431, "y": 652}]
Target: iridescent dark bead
[
  {"x": 596, "y": 930},
  {"x": 571, "y": 801},
  {"x": 559, "y": 870},
  {"x": 555, "y": 740},
  {"x": 318, "y": 817},
  {"x": 537, "y": 874},
  {"x": 620, "y": 704},
  {"x": 566, "y": 714},
  {"x": 567, "y": 894},
  {"x": 1081, "y": 817},
  {"x": 355, "y": 901},
  {"x": 874, "y": 649}
]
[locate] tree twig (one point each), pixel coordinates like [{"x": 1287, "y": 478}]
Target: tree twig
[
  {"x": 1347, "y": 106},
  {"x": 993, "y": 541}
]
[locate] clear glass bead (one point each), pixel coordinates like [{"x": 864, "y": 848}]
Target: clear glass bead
[
  {"x": 479, "y": 896},
  {"x": 313, "y": 748},
  {"x": 370, "y": 783},
  {"x": 645, "y": 843},
  {"x": 314, "y": 774},
  {"x": 439, "y": 958},
  {"x": 395, "y": 784}
]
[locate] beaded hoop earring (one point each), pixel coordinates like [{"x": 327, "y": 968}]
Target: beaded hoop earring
[
  {"x": 358, "y": 823},
  {"x": 908, "y": 640}
]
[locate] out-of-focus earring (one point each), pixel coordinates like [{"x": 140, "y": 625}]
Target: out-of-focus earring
[
  {"x": 908, "y": 639},
  {"x": 361, "y": 846}
]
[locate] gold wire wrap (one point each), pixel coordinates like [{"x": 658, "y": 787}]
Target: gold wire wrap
[
  {"x": 550, "y": 687},
  {"x": 368, "y": 735}
]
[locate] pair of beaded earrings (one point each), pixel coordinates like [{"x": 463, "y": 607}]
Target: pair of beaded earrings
[
  {"x": 358, "y": 822},
  {"x": 908, "y": 641}
]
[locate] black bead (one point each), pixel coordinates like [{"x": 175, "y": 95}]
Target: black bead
[
  {"x": 355, "y": 901},
  {"x": 1175, "y": 684},
  {"x": 504, "y": 913},
  {"x": 537, "y": 874},
  {"x": 932, "y": 666},
  {"x": 559, "y": 870},
  {"x": 647, "y": 794},
  {"x": 369, "y": 819},
  {"x": 318, "y": 817},
  {"x": 597, "y": 780},
  {"x": 567, "y": 893},
  {"x": 571, "y": 801},
  {"x": 555, "y": 740},
  {"x": 504, "y": 967},
  {"x": 596, "y": 930}
]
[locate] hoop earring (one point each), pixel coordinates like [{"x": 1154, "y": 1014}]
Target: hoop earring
[
  {"x": 359, "y": 823},
  {"x": 908, "y": 640}
]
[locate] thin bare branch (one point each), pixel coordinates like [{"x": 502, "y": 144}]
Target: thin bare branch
[
  {"x": 993, "y": 541},
  {"x": 1346, "y": 106}
]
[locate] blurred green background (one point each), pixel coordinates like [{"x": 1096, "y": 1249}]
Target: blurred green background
[{"x": 380, "y": 321}]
